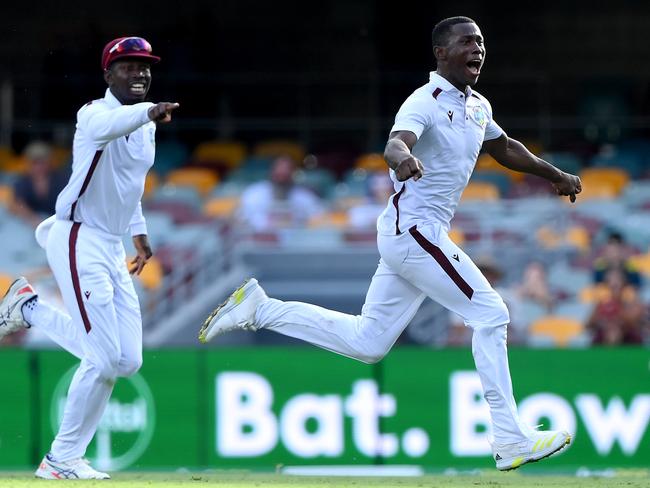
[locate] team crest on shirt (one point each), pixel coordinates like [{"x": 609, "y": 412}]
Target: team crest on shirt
[{"x": 479, "y": 115}]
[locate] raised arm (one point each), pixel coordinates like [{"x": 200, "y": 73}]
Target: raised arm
[
  {"x": 513, "y": 155},
  {"x": 104, "y": 125},
  {"x": 398, "y": 155}
]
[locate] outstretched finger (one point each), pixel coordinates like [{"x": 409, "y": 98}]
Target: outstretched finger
[{"x": 572, "y": 197}]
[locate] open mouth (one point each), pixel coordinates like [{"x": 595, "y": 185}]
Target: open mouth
[
  {"x": 474, "y": 66},
  {"x": 138, "y": 88}
]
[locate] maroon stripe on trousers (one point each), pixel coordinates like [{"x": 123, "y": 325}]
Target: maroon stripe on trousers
[
  {"x": 442, "y": 260},
  {"x": 72, "y": 255},
  {"x": 396, "y": 205},
  {"x": 86, "y": 182}
]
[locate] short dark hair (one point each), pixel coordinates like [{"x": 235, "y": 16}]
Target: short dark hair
[{"x": 440, "y": 33}]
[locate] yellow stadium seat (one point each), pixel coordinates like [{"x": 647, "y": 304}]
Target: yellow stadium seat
[
  {"x": 642, "y": 263},
  {"x": 6, "y": 195},
  {"x": 151, "y": 182},
  {"x": 371, "y": 162},
  {"x": 478, "y": 190},
  {"x": 275, "y": 148},
  {"x": 220, "y": 207},
  {"x": 457, "y": 236},
  {"x": 488, "y": 163},
  {"x": 203, "y": 179},
  {"x": 5, "y": 283},
  {"x": 576, "y": 236},
  {"x": 6, "y": 153},
  {"x": 214, "y": 153},
  {"x": 616, "y": 178},
  {"x": 16, "y": 164},
  {"x": 336, "y": 219},
  {"x": 560, "y": 330},
  {"x": 60, "y": 156},
  {"x": 594, "y": 190},
  {"x": 579, "y": 238},
  {"x": 594, "y": 293},
  {"x": 152, "y": 274}
]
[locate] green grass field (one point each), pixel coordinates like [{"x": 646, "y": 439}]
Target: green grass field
[{"x": 254, "y": 480}]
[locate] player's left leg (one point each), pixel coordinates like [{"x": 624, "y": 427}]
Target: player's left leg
[{"x": 441, "y": 269}]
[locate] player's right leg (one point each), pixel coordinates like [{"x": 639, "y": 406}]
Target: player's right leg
[
  {"x": 88, "y": 296},
  {"x": 391, "y": 303}
]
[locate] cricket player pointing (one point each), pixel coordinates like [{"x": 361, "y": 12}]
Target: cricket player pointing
[
  {"x": 112, "y": 152},
  {"x": 431, "y": 151}
]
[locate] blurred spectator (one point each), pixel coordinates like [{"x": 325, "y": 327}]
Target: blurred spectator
[
  {"x": 364, "y": 215},
  {"x": 534, "y": 286},
  {"x": 460, "y": 334},
  {"x": 35, "y": 193},
  {"x": 278, "y": 202},
  {"x": 619, "y": 316},
  {"x": 616, "y": 255}
]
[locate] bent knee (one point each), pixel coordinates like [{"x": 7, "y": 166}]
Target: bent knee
[
  {"x": 494, "y": 315},
  {"x": 129, "y": 366},
  {"x": 106, "y": 369},
  {"x": 372, "y": 355}
]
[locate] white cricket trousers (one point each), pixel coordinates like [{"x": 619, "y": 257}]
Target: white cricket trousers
[
  {"x": 104, "y": 328},
  {"x": 417, "y": 263}
]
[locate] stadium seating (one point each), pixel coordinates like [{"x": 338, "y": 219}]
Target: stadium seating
[
  {"x": 61, "y": 156},
  {"x": 6, "y": 194},
  {"x": 319, "y": 180},
  {"x": 151, "y": 276},
  {"x": 275, "y": 148},
  {"x": 557, "y": 330},
  {"x": 628, "y": 160},
  {"x": 221, "y": 207},
  {"x": 485, "y": 162},
  {"x": 637, "y": 194},
  {"x": 151, "y": 183},
  {"x": 5, "y": 282},
  {"x": 188, "y": 195},
  {"x": 170, "y": 155},
  {"x": 15, "y": 164},
  {"x": 616, "y": 178},
  {"x": 480, "y": 191},
  {"x": 6, "y": 153},
  {"x": 498, "y": 178},
  {"x": 566, "y": 161},
  {"x": 202, "y": 179},
  {"x": 371, "y": 162},
  {"x": 219, "y": 154},
  {"x": 336, "y": 219}
]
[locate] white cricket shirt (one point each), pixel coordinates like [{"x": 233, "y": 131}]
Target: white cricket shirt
[
  {"x": 113, "y": 148},
  {"x": 450, "y": 126}
]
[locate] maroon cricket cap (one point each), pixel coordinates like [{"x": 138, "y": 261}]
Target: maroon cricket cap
[{"x": 127, "y": 47}]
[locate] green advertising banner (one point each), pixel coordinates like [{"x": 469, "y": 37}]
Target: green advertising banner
[{"x": 260, "y": 408}]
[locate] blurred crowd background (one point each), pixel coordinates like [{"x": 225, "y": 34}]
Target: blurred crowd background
[{"x": 273, "y": 165}]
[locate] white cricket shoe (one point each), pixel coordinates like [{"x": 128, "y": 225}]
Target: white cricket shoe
[
  {"x": 538, "y": 446},
  {"x": 11, "y": 314},
  {"x": 76, "y": 469},
  {"x": 238, "y": 312}
]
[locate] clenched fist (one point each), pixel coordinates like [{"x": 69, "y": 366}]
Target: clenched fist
[
  {"x": 411, "y": 167},
  {"x": 568, "y": 185}
]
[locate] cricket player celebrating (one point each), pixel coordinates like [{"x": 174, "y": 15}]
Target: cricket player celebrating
[
  {"x": 113, "y": 150},
  {"x": 431, "y": 151}
]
